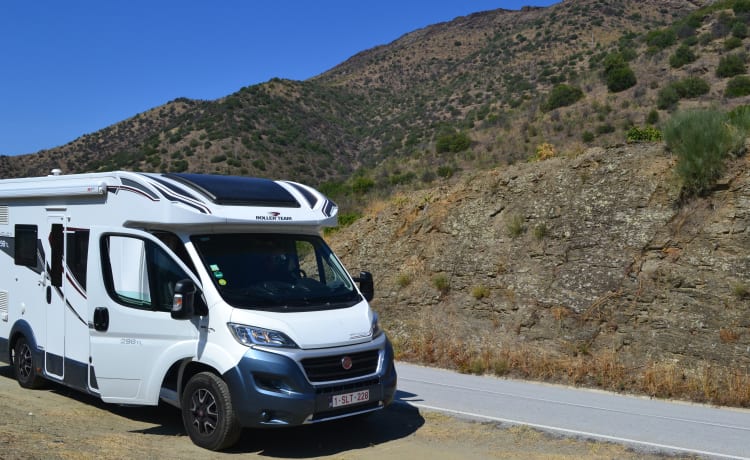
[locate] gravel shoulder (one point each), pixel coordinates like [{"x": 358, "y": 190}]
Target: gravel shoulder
[{"x": 60, "y": 423}]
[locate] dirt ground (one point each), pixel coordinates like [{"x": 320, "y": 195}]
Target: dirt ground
[{"x": 59, "y": 423}]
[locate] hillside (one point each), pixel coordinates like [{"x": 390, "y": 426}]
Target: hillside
[
  {"x": 382, "y": 113},
  {"x": 578, "y": 269}
]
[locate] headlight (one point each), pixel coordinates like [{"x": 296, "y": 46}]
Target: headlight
[
  {"x": 249, "y": 335},
  {"x": 375, "y": 330}
]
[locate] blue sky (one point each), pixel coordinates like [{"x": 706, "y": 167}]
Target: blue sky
[{"x": 69, "y": 68}]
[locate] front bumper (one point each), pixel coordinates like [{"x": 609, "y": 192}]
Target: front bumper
[{"x": 272, "y": 387}]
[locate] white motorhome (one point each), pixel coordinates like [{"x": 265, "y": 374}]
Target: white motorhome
[{"x": 213, "y": 293}]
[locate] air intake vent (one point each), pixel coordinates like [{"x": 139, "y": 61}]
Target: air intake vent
[
  {"x": 3, "y": 215},
  {"x": 4, "y": 305},
  {"x": 331, "y": 367}
]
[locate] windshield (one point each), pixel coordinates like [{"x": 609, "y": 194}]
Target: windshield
[{"x": 275, "y": 271}]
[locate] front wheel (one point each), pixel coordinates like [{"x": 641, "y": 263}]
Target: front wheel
[
  {"x": 207, "y": 412},
  {"x": 25, "y": 365}
]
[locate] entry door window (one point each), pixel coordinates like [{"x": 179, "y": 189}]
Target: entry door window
[{"x": 139, "y": 273}]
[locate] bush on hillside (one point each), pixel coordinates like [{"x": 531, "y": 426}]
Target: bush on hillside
[
  {"x": 738, "y": 86},
  {"x": 741, "y": 6},
  {"x": 682, "y": 56},
  {"x": 452, "y": 142},
  {"x": 691, "y": 87},
  {"x": 732, "y": 43},
  {"x": 702, "y": 140},
  {"x": 620, "y": 79},
  {"x": 687, "y": 88},
  {"x": 731, "y": 65},
  {"x": 561, "y": 96},
  {"x": 739, "y": 30},
  {"x": 660, "y": 39},
  {"x": 617, "y": 73},
  {"x": 647, "y": 134}
]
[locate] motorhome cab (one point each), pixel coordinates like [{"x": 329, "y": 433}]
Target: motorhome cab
[{"x": 213, "y": 293}]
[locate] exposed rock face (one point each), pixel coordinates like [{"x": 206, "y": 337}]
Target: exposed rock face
[{"x": 573, "y": 255}]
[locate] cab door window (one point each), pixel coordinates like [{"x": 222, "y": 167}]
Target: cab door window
[{"x": 138, "y": 273}]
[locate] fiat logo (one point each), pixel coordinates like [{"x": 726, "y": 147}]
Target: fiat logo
[{"x": 346, "y": 363}]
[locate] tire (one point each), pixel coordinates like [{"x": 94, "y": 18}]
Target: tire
[
  {"x": 207, "y": 412},
  {"x": 25, "y": 365}
]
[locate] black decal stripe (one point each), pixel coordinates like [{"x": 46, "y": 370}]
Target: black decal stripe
[
  {"x": 182, "y": 199},
  {"x": 137, "y": 191}
]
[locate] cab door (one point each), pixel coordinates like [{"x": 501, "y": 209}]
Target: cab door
[{"x": 133, "y": 338}]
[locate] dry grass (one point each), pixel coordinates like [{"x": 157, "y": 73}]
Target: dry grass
[{"x": 703, "y": 382}]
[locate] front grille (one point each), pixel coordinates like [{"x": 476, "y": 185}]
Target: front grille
[{"x": 329, "y": 368}]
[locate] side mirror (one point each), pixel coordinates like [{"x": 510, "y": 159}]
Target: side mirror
[
  {"x": 366, "y": 285},
  {"x": 183, "y": 301}
]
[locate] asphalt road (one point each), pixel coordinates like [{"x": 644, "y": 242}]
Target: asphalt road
[{"x": 646, "y": 424}]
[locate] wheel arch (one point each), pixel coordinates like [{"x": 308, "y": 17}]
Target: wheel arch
[{"x": 22, "y": 328}]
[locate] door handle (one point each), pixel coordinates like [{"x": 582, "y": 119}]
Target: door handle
[{"x": 101, "y": 319}]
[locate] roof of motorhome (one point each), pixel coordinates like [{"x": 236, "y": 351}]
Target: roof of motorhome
[{"x": 208, "y": 194}]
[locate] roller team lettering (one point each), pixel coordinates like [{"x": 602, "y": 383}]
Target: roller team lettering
[{"x": 273, "y": 217}]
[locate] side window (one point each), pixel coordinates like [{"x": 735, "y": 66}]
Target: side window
[
  {"x": 25, "y": 241},
  {"x": 77, "y": 254},
  {"x": 138, "y": 273},
  {"x": 56, "y": 258}
]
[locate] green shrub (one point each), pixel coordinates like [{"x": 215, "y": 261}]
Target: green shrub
[
  {"x": 362, "y": 185},
  {"x": 516, "y": 226},
  {"x": 691, "y": 87},
  {"x": 741, "y": 6},
  {"x": 739, "y": 117},
  {"x": 686, "y": 88},
  {"x": 739, "y": 30},
  {"x": 732, "y": 43},
  {"x": 701, "y": 139},
  {"x": 661, "y": 39},
  {"x": 731, "y": 65},
  {"x": 617, "y": 73},
  {"x": 452, "y": 142},
  {"x": 683, "y": 55},
  {"x": 441, "y": 283},
  {"x": 259, "y": 164},
  {"x": 587, "y": 136},
  {"x": 605, "y": 129},
  {"x": 561, "y": 96},
  {"x": 653, "y": 117},
  {"x": 403, "y": 280},
  {"x": 738, "y": 86},
  {"x": 647, "y": 134},
  {"x": 667, "y": 98},
  {"x": 480, "y": 292},
  {"x": 740, "y": 290},
  {"x": 446, "y": 172}
]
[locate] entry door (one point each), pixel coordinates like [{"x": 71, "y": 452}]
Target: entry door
[
  {"x": 54, "y": 250},
  {"x": 133, "y": 338}
]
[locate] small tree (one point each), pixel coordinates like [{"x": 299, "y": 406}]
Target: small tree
[{"x": 617, "y": 73}]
